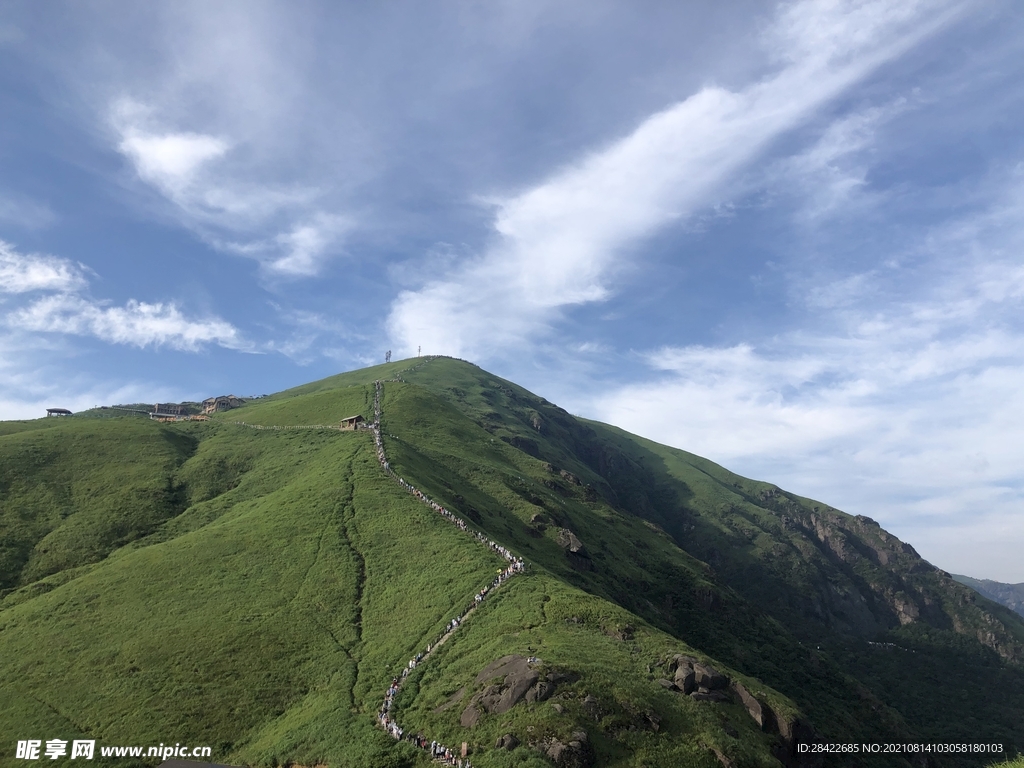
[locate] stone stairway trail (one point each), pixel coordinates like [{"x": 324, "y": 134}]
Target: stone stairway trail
[{"x": 516, "y": 565}]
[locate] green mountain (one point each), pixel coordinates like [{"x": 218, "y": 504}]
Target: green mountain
[
  {"x": 257, "y": 590},
  {"x": 1010, "y": 595}
]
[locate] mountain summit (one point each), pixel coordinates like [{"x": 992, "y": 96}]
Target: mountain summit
[{"x": 471, "y": 569}]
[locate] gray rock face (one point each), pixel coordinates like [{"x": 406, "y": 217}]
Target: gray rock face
[
  {"x": 679, "y": 661},
  {"x": 791, "y": 734},
  {"x": 520, "y": 681},
  {"x": 539, "y": 692},
  {"x": 570, "y": 477},
  {"x": 709, "y": 677},
  {"x": 760, "y": 713},
  {"x": 686, "y": 679},
  {"x": 576, "y": 753},
  {"x": 508, "y": 741},
  {"x": 567, "y": 540},
  {"x": 575, "y": 552},
  {"x": 703, "y": 694},
  {"x": 667, "y": 684},
  {"x": 470, "y": 717}
]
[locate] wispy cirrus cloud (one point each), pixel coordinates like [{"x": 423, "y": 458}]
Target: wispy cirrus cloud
[
  {"x": 909, "y": 410},
  {"x": 21, "y": 211},
  {"x": 281, "y": 227},
  {"x": 557, "y": 245}
]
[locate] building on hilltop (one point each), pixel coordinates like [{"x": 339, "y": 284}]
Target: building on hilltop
[
  {"x": 352, "y": 422},
  {"x": 222, "y": 403},
  {"x": 58, "y": 412},
  {"x": 169, "y": 409}
]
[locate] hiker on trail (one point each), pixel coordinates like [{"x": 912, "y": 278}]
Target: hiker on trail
[{"x": 516, "y": 565}]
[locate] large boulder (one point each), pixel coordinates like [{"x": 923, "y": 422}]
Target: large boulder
[
  {"x": 541, "y": 691},
  {"x": 709, "y": 677},
  {"x": 681, "y": 661},
  {"x": 576, "y": 752},
  {"x": 470, "y": 717},
  {"x": 760, "y": 712},
  {"x": 519, "y": 681},
  {"x": 567, "y": 540},
  {"x": 508, "y": 741},
  {"x": 686, "y": 679},
  {"x": 792, "y": 733}
]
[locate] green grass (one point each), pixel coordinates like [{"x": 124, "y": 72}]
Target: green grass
[{"x": 255, "y": 590}]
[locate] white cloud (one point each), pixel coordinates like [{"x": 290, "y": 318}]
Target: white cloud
[
  {"x": 830, "y": 176},
  {"x": 281, "y": 227},
  {"x": 25, "y": 272},
  {"x": 301, "y": 251},
  {"x": 170, "y": 161},
  {"x": 910, "y": 411},
  {"x": 137, "y": 323},
  {"x": 558, "y": 244}
]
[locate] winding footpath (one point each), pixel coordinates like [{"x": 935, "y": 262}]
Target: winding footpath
[
  {"x": 440, "y": 752},
  {"x": 516, "y": 565}
]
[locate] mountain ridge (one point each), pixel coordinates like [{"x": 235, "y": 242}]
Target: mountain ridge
[
  {"x": 675, "y": 557},
  {"x": 1009, "y": 595}
]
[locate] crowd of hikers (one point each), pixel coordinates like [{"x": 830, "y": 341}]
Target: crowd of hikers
[{"x": 515, "y": 566}]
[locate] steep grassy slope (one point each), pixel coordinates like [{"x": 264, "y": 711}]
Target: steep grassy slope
[
  {"x": 255, "y": 590},
  {"x": 72, "y": 492},
  {"x": 264, "y": 612},
  {"x": 837, "y": 582},
  {"x": 264, "y": 623}
]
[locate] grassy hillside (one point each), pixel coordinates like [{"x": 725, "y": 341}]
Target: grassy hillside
[
  {"x": 782, "y": 575},
  {"x": 256, "y": 589}
]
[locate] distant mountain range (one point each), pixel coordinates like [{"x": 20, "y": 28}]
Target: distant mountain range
[
  {"x": 258, "y": 581},
  {"x": 1010, "y": 595}
]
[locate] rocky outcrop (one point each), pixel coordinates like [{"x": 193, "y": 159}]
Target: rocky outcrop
[
  {"x": 569, "y": 476},
  {"x": 710, "y": 678},
  {"x": 575, "y": 752},
  {"x": 686, "y": 680},
  {"x": 567, "y": 540},
  {"x": 703, "y": 683},
  {"x": 575, "y": 552},
  {"x": 520, "y": 681},
  {"x": 760, "y": 712},
  {"x": 699, "y": 681},
  {"x": 508, "y": 741},
  {"x": 793, "y": 732}
]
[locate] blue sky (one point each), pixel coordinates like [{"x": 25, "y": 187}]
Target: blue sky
[{"x": 785, "y": 237}]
